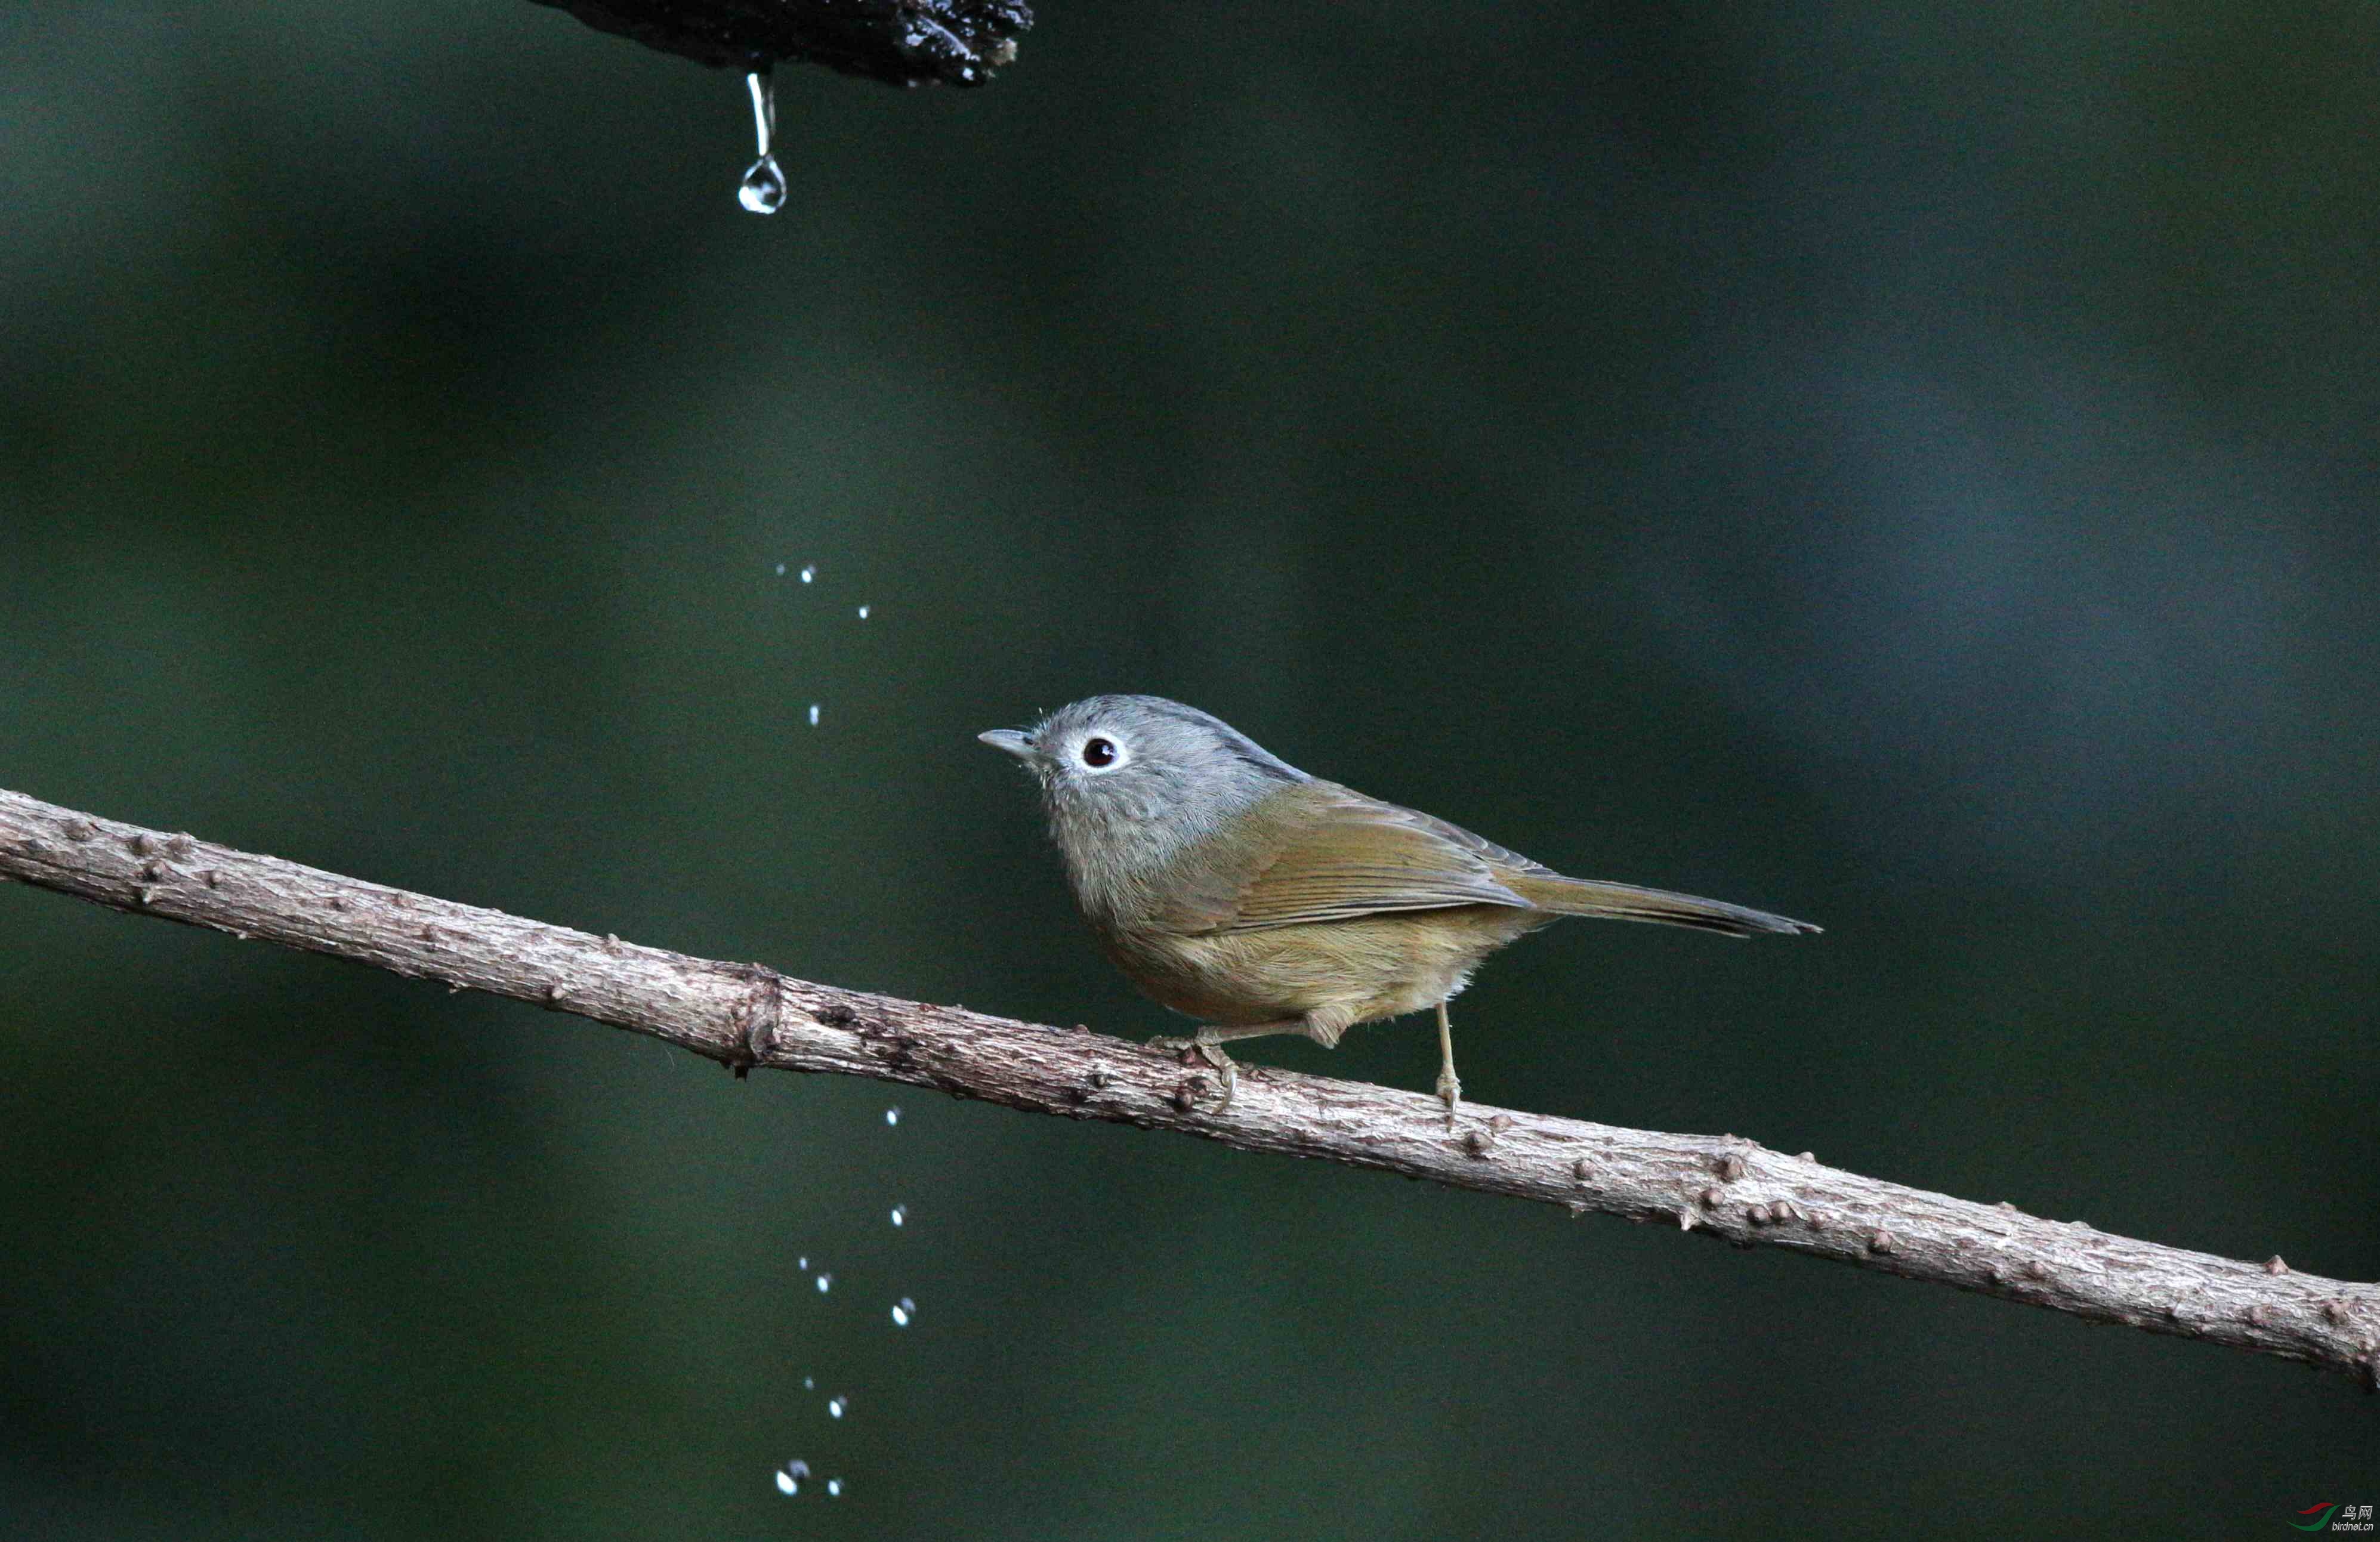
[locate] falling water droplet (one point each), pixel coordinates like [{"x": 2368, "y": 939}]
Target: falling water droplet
[
  {"x": 803, "y": 1264},
  {"x": 900, "y": 1215},
  {"x": 834, "y": 1488},
  {"x": 809, "y": 573},
  {"x": 825, "y": 1283},
  {"x": 863, "y": 612},
  {"x": 892, "y": 1115},
  {"x": 834, "y": 1407},
  {"x": 781, "y": 570},
  {"x": 790, "y": 1475},
  {"x": 903, "y": 1310},
  {"x": 813, "y": 706},
  {"x": 763, "y": 188},
  {"x": 809, "y": 1384}
]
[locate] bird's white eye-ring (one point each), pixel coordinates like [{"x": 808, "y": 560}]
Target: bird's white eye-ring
[{"x": 1099, "y": 752}]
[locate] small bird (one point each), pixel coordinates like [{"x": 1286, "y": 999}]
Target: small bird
[{"x": 1235, "y": 888}]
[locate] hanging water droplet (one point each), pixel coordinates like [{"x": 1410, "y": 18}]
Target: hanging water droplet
[
  {"x": 813, "y": 706},
  {"x": 834, "y": 1488},
  {"x": 903, "y": 1310},
  {"x": 863, "y": 612},
  {"x": 900, "y": 1215},
  {"x": 790, "y": 1475},
  {"x": 834, "y": 1407},
  {"x": 809, "y": 573},
  {"x": 892, "y": 1115},
  {"x": 825, "y": 1283},
  {"x": 763, "y": 188},
  {"x": 762, "y": 191}
]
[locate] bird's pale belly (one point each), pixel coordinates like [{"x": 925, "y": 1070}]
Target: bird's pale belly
[{"x": 1355, "y": 970}]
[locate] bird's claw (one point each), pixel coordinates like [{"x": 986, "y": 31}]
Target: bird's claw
[{"x": 1212, "y": 1054}]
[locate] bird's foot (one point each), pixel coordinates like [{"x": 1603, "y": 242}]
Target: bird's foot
[
  {"x": 1199, "y": 1048},
  {"x": 1449, "y": 1088}
]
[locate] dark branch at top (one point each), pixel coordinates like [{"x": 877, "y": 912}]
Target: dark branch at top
[{"x": 900, "y": 42}]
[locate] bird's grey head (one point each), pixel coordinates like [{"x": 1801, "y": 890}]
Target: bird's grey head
[{"x": 1137, "y": 778}]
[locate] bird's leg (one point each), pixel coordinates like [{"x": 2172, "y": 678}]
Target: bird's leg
[
  {"x": 1208, "y": 1044},
  {"x": 1449, "y": 1086}
]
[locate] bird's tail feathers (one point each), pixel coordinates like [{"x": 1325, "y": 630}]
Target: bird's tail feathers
[{"x": 1625, "y": 902}]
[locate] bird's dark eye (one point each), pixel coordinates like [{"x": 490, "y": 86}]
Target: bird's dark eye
[{"x": 1099, "y": 752}]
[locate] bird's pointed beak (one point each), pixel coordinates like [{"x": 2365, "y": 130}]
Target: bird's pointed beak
[{"x": 1014, "y": 740}]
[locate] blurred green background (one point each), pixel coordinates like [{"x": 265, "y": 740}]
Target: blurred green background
[{"x": 1914, "y": 471}]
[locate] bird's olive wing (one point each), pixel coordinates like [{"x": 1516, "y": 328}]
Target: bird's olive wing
[{"x": 1320, "y": 852}]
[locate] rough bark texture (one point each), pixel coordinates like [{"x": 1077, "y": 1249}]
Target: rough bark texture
[
  {"x": 745, "y": 1016},
  {"x": 902, "y": 43}
]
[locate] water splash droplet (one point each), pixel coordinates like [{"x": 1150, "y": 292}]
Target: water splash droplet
[
  {"x": 892, "y": 1115},
  {"x": 763, "y": 188},
  {"x": 834, "y": 1488},
  {"x": 781, "y": 570},
  {"x": 825, "y": 1283},
  {"x": 903, "y": 1311},
  {"x": 803, "y": 1264},
  {"x": 835, "y": 1405},
  {"x": 809, "y": 573},
  {"x": 809, "y": 1384},
  {"x": 863, "y": 612},
  {"x": 900, "y": 1215},
  {"x": 814, "y": 710},
  {"x": 790, "y": 1475}
]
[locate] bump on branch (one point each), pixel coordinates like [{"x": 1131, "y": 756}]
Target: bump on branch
[{"x": 745, "y": 1015}]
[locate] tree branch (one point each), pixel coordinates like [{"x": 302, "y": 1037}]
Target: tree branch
[
  {"x": 902, "y": 43},
  {"x": 745, "y": 1016}
]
